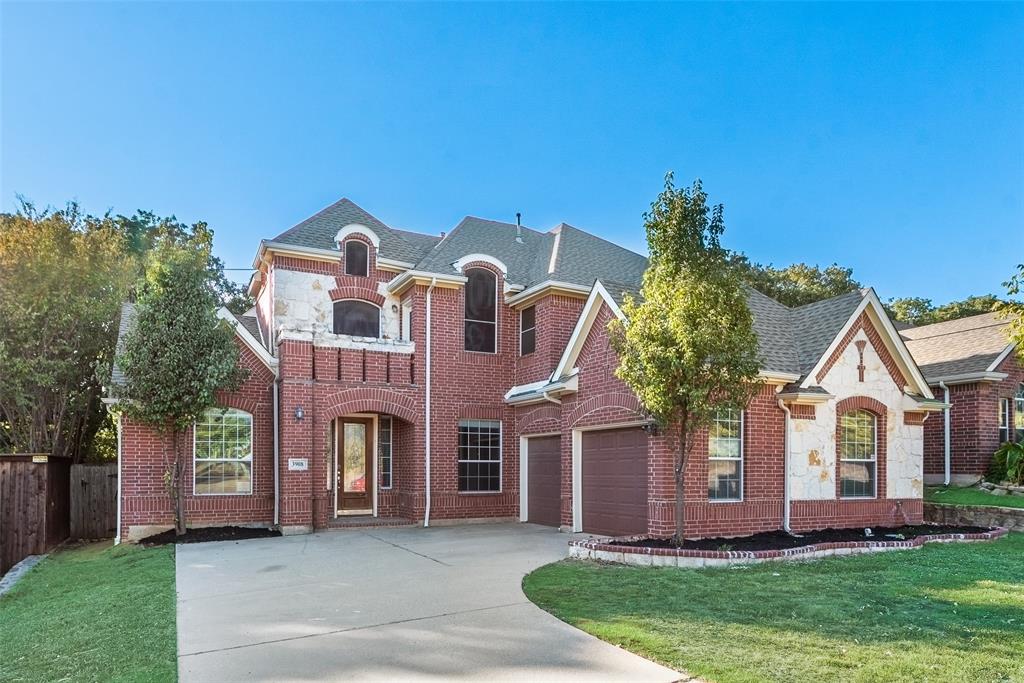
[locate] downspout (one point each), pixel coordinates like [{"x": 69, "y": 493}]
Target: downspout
[
  {"x": 277, "y": 452},
  {"x": 117, "y": 536},
  {"x": 785, "y": 470},
  {"x": 426, "y": 426},
  {"x": 546, "y": 397},
  {"x": 945, "y": 432}
]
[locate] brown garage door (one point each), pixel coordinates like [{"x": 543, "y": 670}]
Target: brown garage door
[
  {"x": 615, "y": 482},
  {"x": 544, "y": 480}
]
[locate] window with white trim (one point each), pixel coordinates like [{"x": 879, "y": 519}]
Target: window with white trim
[
  {"x": 858, "y": 454},
  {"x": 479, "y": 456},
  {"x": 384, "y": 448},
  {"x": 1018, "y": 414},
  {"x": 527, "y": 330},
  {"x": 481, "y": 329},
  {"x": 356, "y": 318},
  {"x": 222, "y": 453},
  {"x": 1004, "y": 420},
  {"x": 357, "y": 258},
  {"x": 725, "y": 456}
]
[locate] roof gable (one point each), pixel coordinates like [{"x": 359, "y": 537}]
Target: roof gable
[{"x": 588, "y": 316}]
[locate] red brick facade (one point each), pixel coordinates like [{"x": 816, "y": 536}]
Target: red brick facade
[
  {"x": 328, "y": 382},
  {"x": 974, "y": 424}
]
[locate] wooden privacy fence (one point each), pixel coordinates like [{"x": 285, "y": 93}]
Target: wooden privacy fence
[
  {"x": 94, "y": 501},
  {"x": 34, "y": 505}
]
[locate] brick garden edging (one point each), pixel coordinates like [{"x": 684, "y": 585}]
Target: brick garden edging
[{"x": 682, "y": 557}]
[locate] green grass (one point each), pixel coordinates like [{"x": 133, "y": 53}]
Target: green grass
[
  {"x": 955, "y": 495},
  {"x": 951, "y": 612},
  {"x": 92, "y": 613}
]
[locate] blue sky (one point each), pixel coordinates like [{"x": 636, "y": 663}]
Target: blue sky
[{"x": 889, "y": 138}]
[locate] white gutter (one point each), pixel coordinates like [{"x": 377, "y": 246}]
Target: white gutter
[
  {"x": 117, "y": 536},
  {"x": 426, "y": 426},
  {"x": 277, "y": 452},
  {"x": 969, "y": 378},
  {"x": 546, "y": 397},
  {"x": 785, "y": 470},
  {"x": 945, "y": 432}
]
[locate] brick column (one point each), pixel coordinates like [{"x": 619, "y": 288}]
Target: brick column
[{"x": 297, "y": 436}]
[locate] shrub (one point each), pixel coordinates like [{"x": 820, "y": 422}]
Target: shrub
[{"x": 1007, "y": 464}]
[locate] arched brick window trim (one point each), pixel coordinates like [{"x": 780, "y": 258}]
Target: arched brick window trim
[
  {"x": 368, "y": 400},
  {"x": 228, "y": 400},
  {"x": 618, "y": 406},
  {"x": 541, "y": 419},
  {"x": 371, "y": 255},
  {"x": 356, "y": 292},
  {"x": 878, "y": 409}
]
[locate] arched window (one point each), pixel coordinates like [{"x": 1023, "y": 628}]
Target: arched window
[
  {"x": 481, "y": 307},
  {"x": 222, "y": 451},
  {"x": 357, "y": 258},
  {"x": 357, "y": 318},
  {"x": 858, "y": 454}
]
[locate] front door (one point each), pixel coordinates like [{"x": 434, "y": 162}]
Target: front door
[{"x": 355, "y": 469}]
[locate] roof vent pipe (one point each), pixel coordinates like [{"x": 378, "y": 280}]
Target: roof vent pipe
[{"x": 519, "y": 228}]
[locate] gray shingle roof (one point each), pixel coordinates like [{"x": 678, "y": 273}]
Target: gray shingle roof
[
  {"x": 251, "y": 323},
  {"x": 117, "y": 377},
  {"x": 957, "y": 347},
  {"x": 319, "y": 230}
]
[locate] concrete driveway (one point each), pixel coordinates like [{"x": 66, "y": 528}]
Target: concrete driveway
[{"x": 394, "y": 604}]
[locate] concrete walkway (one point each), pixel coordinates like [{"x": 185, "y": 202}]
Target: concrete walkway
[{"x": 394, "y": 604}]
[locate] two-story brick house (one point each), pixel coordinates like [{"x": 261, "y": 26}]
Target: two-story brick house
[
  {"x": 972, "y": 365},
  {"x": 397, "y": 375}
]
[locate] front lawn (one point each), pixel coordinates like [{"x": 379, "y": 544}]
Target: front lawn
[
  {"x": 92, "y": 613},
  {"x": 946, "y": 612},
  {"x": 968, "y": 495}
]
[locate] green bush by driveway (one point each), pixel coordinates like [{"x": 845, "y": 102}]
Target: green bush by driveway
[
  {"x": 92, "y": 613},
  {"x": 952, "y": 612}
]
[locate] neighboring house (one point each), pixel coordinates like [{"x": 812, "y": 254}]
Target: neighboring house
[
  {"x": 470, "y": 376},
  {"x": 972, "y": 365}
]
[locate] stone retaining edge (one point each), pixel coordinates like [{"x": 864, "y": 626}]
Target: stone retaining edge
[{"x": 682, "y": 557}]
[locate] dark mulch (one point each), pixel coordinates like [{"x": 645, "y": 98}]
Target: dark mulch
[
  {"x": 780, "y": 540},
  {"x": 210, "y": 533}
]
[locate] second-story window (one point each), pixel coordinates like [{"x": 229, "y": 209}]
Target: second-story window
[
  {"x": 357, "y": 318},
  {"x": 357, "y": 258},
  {"x": 481, "y": 308},
  {"x": 527, "y": 330}
]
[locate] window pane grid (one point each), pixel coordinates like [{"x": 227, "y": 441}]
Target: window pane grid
[
  {"x": 223, "y": 453},
  {"x": 384, "y": 446},
  {"x": 725, "y": 456},
  {"x": 857, "y": 453},
  {"x": 479, "y": 456}
]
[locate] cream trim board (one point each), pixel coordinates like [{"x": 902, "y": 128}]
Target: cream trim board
[
  {"x": 461, "y": 263},
  {"x": 1001, "y": 357},
  {"x": 357, "y": 229},
  {"x": 598, "y": 295},
  {"x": 534, "y": 292}
]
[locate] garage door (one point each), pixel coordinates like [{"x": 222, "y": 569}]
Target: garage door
[
  {"x": 544, "y": 480},
  {"x": 615, "y": 482}
]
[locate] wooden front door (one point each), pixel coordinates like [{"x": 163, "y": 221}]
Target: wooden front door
[{"x": 355, "y": 464}]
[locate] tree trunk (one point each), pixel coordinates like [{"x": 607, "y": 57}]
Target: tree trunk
[
  {"x": 179, "y": 489},
  {"x": 680, "y": 472}
]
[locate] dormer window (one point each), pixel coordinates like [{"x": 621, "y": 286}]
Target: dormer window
[
  {"x": 357, "y": 258},
  {"x": 481, "y": 309},
  {"x": 356, "y": 318}
]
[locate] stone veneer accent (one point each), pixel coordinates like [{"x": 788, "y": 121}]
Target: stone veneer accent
[
  {"x": 672, "y": 557},
  {"x": 977, "y": 515}
]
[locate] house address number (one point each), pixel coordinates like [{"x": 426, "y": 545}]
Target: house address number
[{"x": 298, "y": 464}]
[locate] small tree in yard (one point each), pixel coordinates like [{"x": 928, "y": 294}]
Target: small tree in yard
[
  {"x": 687, "y": 348},
  {"x": 177, "y": 355}
]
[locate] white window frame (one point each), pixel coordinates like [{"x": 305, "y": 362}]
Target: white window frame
[
  {"x": 501, "y": 458},
  {"x": 497, "y": 303},
  {"x": 1004, "y": 420},
  {"x": 740, "y": 459},
  {"x": 534, "y": 328},
  {"x": 252, "y": 449},
  {"x": 873, "y": 459},
  {"x": 391, "y": 451},
  {"x": 380, "y": 318},
  {"x": 1018, "y": 413},
  {"x": 344, "y": 252}
]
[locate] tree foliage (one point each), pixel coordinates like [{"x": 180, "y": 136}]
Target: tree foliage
[
  {"x": 177, "y": 355},
  {"x": 63, "y": 276},
  {"x": 799, "y": 283},
  {"x": 1013, "y": 308},
  {"x": 920, "y": 311},
  {"x": 688, "y": 347}
]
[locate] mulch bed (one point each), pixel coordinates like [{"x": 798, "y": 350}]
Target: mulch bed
[
  {"x": 209, "y": 533},
  {"x": 780, "y": 540}
]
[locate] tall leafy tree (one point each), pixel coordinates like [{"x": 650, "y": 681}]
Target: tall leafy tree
[
  {"x": 796, "y": 284},
  {"x": 177, "y": 355},
  {"x": 919, "y": 311},
  {"x": 688, "y": 347},
  {"x": 62, "y": 278},
  {"x": 913, "y": 310},
  {"x": 1013, "y": 309}
]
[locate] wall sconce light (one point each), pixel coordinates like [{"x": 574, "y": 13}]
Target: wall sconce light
[
  {"x": 651, "y": 427},
  {"x": 394, "y": 308},
  {"x": 299, "y": 414}
]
